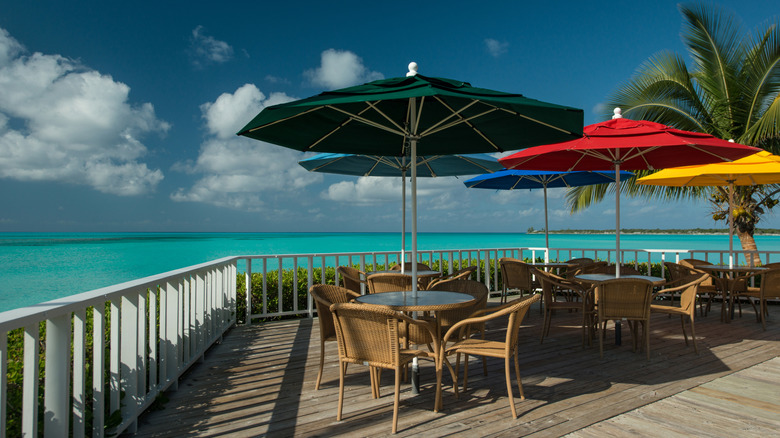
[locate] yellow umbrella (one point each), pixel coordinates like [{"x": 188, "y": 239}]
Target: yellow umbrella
[{"x": 759, "y": 168}]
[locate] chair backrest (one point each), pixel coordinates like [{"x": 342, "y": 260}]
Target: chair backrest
[
  {"x": 589, "y": 268},
  {"x": 691, "y": 265},
  {"x": 551, "y": 282},
  {"x": 476, "y": 289},
  {"x": 676, "y": 271},
  {"x": 624, "y": 298},
  {"x": 580, "y": 261},
  {"x": 408, "y": 267},
  {"x": 389, "y": 282},
  {"x": 351, "y": 278},
  {"x": 516, "y": 274},
  {"x": 324, "y": 296},
  {"x": 690, "y": 287},
  {"x": 770, "y": 283},
  {"x": 367, "y": 333},
  {"x": 624, "y": 270},
  {"x": 461, "y": 274}
]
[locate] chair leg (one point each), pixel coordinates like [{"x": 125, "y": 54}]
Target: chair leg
[
  {"x": 601, "y": 339},
  {"x": 322, "y": 363},
  {"x": 646, "y": 328},
  {"x": 341, "y": 391},
  {"x": 517, "y": 374},
  {"x": 509, "y": 387},
  {"x": 693, "y": 336},
  {"x": 396, "y": 399},
  {"x": 682, "y": 322},
  {"x": 465, "y": 371},
  {"x": 544, "y": 325}
]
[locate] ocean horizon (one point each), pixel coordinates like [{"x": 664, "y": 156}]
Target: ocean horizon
[{"x": 37, "y": 267}]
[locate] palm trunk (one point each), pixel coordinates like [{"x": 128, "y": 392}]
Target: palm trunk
[{"x": 748, "y": 244}]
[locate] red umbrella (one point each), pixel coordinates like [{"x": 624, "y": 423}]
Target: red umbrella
[{"x": 627, "y": 145}]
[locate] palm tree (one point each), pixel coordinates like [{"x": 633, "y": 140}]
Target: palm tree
[{"x": 732, "y": 91}]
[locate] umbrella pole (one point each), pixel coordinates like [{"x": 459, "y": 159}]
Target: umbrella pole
[
  {"x": 546, "y": 229},
  {"x": 403, "y": 216},
  {"x": 617, "y": 218},
  {"x": 731, "y": 224},
  {"x": 413, "y": 141}
]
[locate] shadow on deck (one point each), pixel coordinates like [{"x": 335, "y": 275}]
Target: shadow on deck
[{"x": 260, "y": 381}]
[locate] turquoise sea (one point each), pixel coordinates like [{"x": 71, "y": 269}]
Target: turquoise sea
[{"x": 38, "y": 267}]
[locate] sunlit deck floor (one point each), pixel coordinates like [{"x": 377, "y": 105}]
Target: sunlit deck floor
[{"x": 260, "y": 382}]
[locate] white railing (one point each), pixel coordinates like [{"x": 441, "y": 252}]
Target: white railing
[{"x": 146, "y": 333}]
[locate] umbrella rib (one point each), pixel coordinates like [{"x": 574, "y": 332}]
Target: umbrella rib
[
  {"x": 358, "y": 118},
  {"x": 326, "y": 164},
  {"x": 435, "y": 127},
  {"x": 537, "y": 121},
  {"x": 257, "y": 128},
  {"x": 469, "y": 160},
  {"x": 343, "y": 124}
]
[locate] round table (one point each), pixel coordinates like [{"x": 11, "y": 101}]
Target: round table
[
  {"x": 728, "y": 278},
  {"x": 595, "y": 279},
  {"x": 421, "y": 301},
  {"x": 598, "y": 278}
]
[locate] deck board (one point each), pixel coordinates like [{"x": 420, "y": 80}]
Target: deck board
[{"x": 259, "y": 382}]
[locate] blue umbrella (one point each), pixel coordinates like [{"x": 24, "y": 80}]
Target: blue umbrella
[
  {"x": 541, "y": 179},
  {"x": 378, "y": 165}
]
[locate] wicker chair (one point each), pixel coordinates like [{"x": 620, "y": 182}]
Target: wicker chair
[
  {"x": 324, "y": 296},
  {"x": 551, "y": 284},
  {"x": 625, "y": 298},
  {"x": 370, "y": 335},
  {"x": 711, "y": 287},
  {"x": 580, "y": 261},
  {"x": 768, "y": 289},
  {"x": 461, "y": 274},
  {"x": 422, "y": 282},
  {"x": 515, "y": 312},
  {"x": 516, "y": 275},
  {"x": 388, "y": 282},
  {"x": 447, "y": 318},
  {"x": 352, "y": 278},
  {"x": 688, "y": 289}
]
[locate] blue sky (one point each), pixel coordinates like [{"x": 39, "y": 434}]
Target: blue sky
[{"x": 122, "y": 117}]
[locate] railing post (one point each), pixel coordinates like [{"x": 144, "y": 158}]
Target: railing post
[
  {"x": 79, "y": 372},
  {"x": 30, "y": 382},
  {"x": 55, "y": 391}
]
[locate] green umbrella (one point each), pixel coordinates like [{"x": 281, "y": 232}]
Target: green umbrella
[{"x": 414, "y": 115}]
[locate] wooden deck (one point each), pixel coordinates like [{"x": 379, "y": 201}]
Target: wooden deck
[{"x": 260, "y": 382}]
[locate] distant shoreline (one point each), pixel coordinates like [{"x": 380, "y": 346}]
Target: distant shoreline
[{"x": 693, "y": 231}]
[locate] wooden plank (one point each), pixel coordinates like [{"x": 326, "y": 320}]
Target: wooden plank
[{"x": 259, "y": 381}]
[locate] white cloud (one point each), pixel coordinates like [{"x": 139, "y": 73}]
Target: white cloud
[
  {"x": 60, "y": 121},
  {"x": 206, "y": 49},
  {"x": 237, "y": 171},
  {"x": 340, "y": 68},
  {"x": 435, "y": 193},
  {"x": 496, "y": 48}
]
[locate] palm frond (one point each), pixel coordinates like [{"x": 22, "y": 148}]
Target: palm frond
[{"x": 714, "y": 43}]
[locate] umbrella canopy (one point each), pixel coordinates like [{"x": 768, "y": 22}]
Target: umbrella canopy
[
  {"x": 377, "y": 165},
  {"x": 449, "y": 117},
  {"x": 760, "y": 168},
  {"x": 630, "y": 145},
  {"x": 414, "y": 115},
  {"x": 540, "y": 179}
]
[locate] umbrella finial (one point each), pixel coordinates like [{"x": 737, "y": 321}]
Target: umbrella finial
[
  {"x": 617, "y": 113},
  {"x": 412, "y": 69}
]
